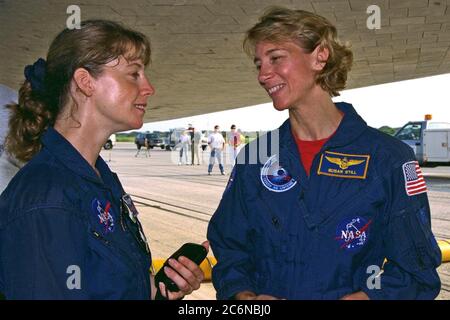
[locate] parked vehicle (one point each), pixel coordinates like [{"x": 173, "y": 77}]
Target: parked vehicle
[
  {"x": 154, "y": 140},
  {"x": 429, "y": 140},
  {"x": 174, "y": 138},
  {"x": 110, "y": 143}
]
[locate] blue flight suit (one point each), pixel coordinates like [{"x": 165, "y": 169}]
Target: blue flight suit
[
  {"x": 66, "y": 233},
  {"x": 279, "y": 232}
]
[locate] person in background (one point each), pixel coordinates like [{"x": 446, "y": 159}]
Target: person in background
[
  {"x": 68, "y": 229},
  {"x": 191, "y": 137},
  {"x": 8, "y": 164},
  {"x": 329, "y": 208},
  {"x": 196, "y": 145},
  {"x": 146, "y": 147},
  {"x": 217, "y": 143},
  {"x": 185, "y": 141},
  {"x": 234, "y": 142}
]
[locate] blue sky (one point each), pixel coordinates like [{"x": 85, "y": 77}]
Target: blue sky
[{"x": 391, "y": 104}]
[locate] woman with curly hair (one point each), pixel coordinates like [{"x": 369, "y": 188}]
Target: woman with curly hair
[{"x": 68, "y": 230}]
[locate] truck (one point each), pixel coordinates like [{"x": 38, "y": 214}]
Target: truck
[{"x": 429, "y": 139}]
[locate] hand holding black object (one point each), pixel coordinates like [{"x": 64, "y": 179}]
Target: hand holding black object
[{"x": 181, "y": 274}]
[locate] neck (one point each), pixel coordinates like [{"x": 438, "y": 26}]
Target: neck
[
  {"x": 84, "y": 136},
  {"x": 315, "y": 119}
]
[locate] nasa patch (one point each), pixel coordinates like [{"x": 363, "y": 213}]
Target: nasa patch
[
  {"x": 104, "y": 214},
  {"x": 352, "y": 234},
  {"x": 276, "y": 178}
]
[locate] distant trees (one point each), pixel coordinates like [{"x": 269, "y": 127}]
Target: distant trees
[{"x": 388, "y": 130}]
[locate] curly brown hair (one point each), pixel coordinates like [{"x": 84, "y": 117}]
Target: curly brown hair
[
  {"x": 308, "y": 30},
  {"x": 92, "y": 46}
]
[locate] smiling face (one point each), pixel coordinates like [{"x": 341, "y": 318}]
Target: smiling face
[
  {"x": 121, "y": 93},
  {"x": 286, "y": 72}
]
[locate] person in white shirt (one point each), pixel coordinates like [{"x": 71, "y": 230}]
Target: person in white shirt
[
  {"x": 8, "y": 164},
  {"x": 216, "y": 143},
  {"x": 185, "y": 141}
]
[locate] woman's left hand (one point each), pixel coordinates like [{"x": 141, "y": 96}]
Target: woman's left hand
[
  {"x": 360, "y": 295},
  {"x": 186, "y": 274}
]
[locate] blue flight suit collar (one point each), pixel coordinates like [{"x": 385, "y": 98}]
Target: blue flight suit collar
[
  {"x": 351, "y": 128},
  {"x": 61, "y": 149}
]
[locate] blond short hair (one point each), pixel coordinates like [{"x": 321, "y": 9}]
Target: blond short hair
[{"x": 308, "y": 30}]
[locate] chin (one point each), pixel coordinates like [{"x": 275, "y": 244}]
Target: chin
[
  {"x": 280, "y": 107},
  {"x": 134, "y": 125},
  {"x": 137, "y": 125}
]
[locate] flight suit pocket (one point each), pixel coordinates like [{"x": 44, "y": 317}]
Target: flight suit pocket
[
  {"x": 428, "y": 252},
  {"x": 412, "y": 237},
  {"x": 266, "y": 252},
  {"x": 110, "y": 274}
]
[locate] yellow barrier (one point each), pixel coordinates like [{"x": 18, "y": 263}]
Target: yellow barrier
[
  {"x": 445, "y": 249},
  {"x": 206, "y": 266},
  {"x": 210, "y": 262}
]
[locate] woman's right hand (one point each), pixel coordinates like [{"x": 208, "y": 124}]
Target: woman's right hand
[{"x": 248, "y": 295}]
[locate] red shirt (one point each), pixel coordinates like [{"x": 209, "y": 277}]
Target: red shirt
[{"x": 308, "y": 150}]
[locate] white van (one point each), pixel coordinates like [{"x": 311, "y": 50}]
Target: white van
[{"x": 429, "y": 140}]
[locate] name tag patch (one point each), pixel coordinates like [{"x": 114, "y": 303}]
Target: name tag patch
[{"x": 343, "y": 165}]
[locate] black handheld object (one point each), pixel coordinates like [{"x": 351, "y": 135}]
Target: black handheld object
[{"x": 195, "y": 252}]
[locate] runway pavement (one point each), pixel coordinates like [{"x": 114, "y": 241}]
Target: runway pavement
[{"x": 176, "y": 202}]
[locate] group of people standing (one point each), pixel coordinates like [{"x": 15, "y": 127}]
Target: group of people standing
[{"x": 190, "y": 142}]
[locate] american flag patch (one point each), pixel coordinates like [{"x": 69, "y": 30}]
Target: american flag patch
[{"x": 414, "y": 182}]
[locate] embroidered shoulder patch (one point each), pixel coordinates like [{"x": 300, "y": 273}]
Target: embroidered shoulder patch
[
  {"x": 414, "y": 181},
  {"x": 343, "y": 165}
]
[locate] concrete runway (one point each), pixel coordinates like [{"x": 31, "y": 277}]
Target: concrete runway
[{"x": 176, "y": 202}]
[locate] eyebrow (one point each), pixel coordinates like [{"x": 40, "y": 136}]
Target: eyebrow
[
  {"x": 267, "y": 53},
  {"x": 135, "y": 64}
]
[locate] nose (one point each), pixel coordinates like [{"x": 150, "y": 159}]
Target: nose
[
  {"x": 265, "y": 73},
  {"x": 147, "y": 88}
]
